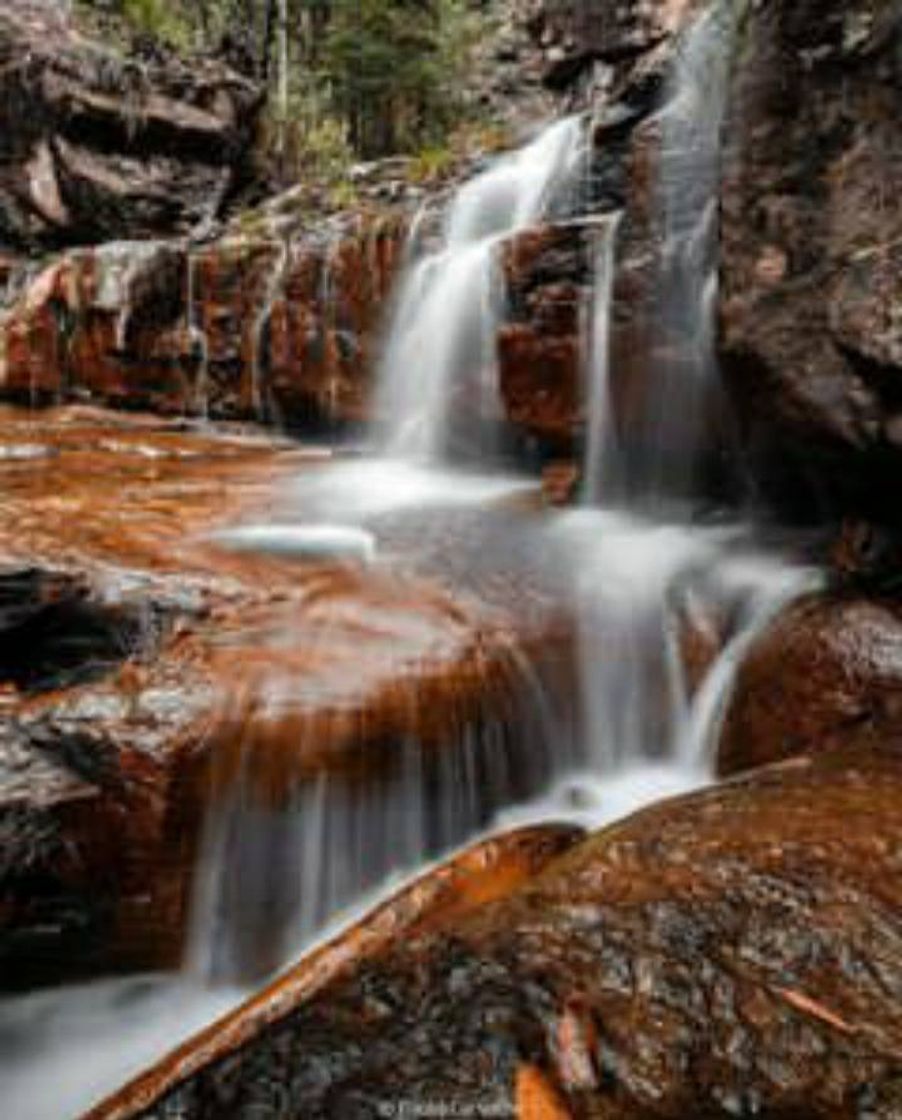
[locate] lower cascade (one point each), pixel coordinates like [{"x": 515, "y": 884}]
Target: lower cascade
[{"x": 607, "y": 636}]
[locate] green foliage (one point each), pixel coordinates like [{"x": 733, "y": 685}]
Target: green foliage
[
  {"x": 431, "y": 163},
  {"x": 393, "y": 70},
  {"x": 348, "y": 79}
]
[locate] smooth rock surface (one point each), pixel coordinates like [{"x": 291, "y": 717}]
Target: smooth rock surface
[{"x": 826, "y": 674}]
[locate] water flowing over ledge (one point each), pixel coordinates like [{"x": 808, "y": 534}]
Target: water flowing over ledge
[{"x": 289, "y": 847}]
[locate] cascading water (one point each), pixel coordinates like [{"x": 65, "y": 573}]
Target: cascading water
[
  {"x": 681, "y": 399},
  {"x": 645, "y": 729},
  {"x": 442, "y": 337},
  {"x": 272, "y": 876},
  {"x": 601, "y": 435}
]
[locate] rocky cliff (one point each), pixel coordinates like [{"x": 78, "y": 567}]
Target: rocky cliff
[
  {"x": 811, "y": 253},
  {"x": 96, "y": 146}
]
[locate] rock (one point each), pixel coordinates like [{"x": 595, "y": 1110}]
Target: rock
[
  {"x": 98, "y": 147},
  {"x": 548, "y": 279},
  {"x": 826, "y": 674},
  {"x": 811, "y": 337},
  {"x": 734, "y": 951},
  {"x": 576, "y": 35},
  {"x": 144, "y": 667},
  {"x": 267, "y": 323},
  {"x": 466, "y": 883}
]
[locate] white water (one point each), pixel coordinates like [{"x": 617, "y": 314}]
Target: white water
[
  {"x": 271, "y": 293},
  {"x": 601, "y": 436},
  {"x": 197, "y": 340},
  {"x": 441, "y": 341},
  {"x": 270, "y": 879},
  {"x": 662, "y": 457},
  {"x": 647, "y": 733}
]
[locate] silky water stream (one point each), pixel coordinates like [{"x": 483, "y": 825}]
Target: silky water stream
[{"x": 635, "y": 568}]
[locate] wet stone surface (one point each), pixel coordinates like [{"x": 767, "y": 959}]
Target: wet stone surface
[
  {"x": 146, "y": 667},
  {"x": 727, "y": 953}
]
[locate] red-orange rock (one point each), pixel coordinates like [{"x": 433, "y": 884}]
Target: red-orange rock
[
  {"x": 826, "y": 674},
  {"x": 548, "y": 281},
  {"x": 266, "y": 324},
  {"x": 148, "y": 666},
  {"x": 486, "y": 872},
  {"x": 732, "y": 951},
  {"x": 536, "y": 1097}
]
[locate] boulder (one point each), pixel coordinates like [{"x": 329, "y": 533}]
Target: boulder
[
  {"x": 489, "y": 870},
  {"x": 96, "y": 146},
  {"x": 811, "y": 336},
  {"x": 737, "y": 951},
  {"x": 826, "y": 674}
]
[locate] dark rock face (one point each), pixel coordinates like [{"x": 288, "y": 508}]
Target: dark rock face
[
  {"x": 826, "y": 674},
  {"x": 811, "y": 254},
  {"x": 733, "y": 952},
  {"x": 576, "y": 33},
  {"x": 94, "y": 147}
]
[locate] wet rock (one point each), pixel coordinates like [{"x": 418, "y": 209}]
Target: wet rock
[
  {"x": 867, "y": 557},
  {"x": 97, "y": 146},
  {"x": 575, "y": 35},
  {"x": 548, "y": 279},
  {"x": 259, "y": 324},
  {"x": 826, "y": 674},
  {"x": 487, "y": 871},
  {"x": 810, "y": 259},
  {"x": 149, "y": 666},
  {"x": 725, "y": 952}
]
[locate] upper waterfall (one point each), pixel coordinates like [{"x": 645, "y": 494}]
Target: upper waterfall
[
  {"x": 659, "y": 458},
  {"x": 441, "y": 337}
]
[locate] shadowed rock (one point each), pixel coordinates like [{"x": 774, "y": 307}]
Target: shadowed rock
[
  {"x": 811, "y": 244},
  {"x": 96, "y": 146}
]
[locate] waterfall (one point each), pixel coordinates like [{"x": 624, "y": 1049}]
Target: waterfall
[
  {"x": 601, "y": 435},
  {"x": 198, "y": 345},
  {"x": 631, "y": 566},
  {"x": 272, "y": 875},
  {"x": 442, "y": 336},
  {"x": 682, "y": 394},
  {"x": 634, "y": 554}
]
